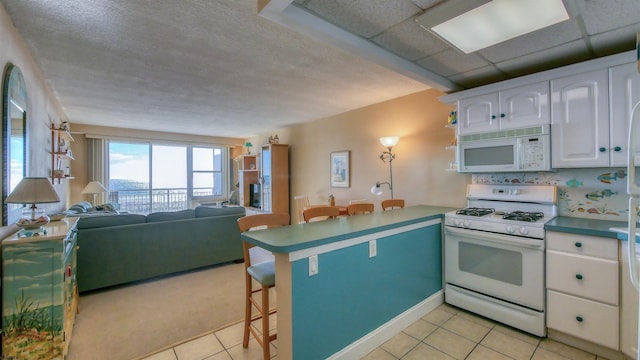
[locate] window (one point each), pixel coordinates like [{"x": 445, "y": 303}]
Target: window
[
  {"x": 207, "y": 172},
  {"x": 146, "y": 177}
]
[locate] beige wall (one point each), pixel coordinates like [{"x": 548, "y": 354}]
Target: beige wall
[
  {"x": 419, "y": 170},
  {"x": 42, "y": 106}
]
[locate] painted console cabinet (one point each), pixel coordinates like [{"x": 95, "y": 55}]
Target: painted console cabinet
[{"x": 39, "y": 292}]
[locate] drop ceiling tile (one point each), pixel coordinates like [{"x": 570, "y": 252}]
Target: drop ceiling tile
[
  {"x": 601, "y": 16},
  {"x": 615, "y": 41},
  {"x": 551, "y": 36},
  {"x": 410, "y": 41},
  {"x": 566, "y": 54},
  {"x": 364, "y": 17},
  {"x": 451, "y": 62},
  {"x": 478, "y": 77}
]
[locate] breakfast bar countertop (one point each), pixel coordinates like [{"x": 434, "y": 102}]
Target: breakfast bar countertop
[
  {"x": 584, "y": 226},
  {"x": 302, "y": 236}
]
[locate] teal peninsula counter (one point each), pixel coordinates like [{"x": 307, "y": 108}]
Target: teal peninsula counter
[{"x": 347, "y": 285}]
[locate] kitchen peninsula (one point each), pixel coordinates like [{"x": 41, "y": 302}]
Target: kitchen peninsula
[{"x": 346, "y": 285}]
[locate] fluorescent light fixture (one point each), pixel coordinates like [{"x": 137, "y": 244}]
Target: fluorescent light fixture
[{"x": 497, "y": 21}]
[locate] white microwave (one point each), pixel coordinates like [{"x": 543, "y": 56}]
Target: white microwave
[{"x": 514, "y": 150}]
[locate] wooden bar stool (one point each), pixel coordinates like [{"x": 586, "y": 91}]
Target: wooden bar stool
[{"x": 264, "y": 273}]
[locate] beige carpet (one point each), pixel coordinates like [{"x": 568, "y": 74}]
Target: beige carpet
[{"x": 135, "y": 320}]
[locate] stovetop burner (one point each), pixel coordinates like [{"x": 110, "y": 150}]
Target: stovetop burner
[
  {"x": 475, "y": 211},
  {"x": 523, "y": 216}
]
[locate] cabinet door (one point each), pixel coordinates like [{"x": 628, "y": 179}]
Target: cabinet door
[
  {"x": 478, "y": 114},
  {"x": 582, "y": 318},
  {"x": 267, "y": 189},
  {"x": 625, "y": 94},
  {"x": 580, "y": 120},
  {"x": 275, "y": 178},
  {"x": 583, "y": 276},
  {"x": 525, "y": 106},
  {"x": 33, "y": 300}
]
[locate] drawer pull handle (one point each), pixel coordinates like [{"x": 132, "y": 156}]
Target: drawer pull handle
[
  {"x": 578, "y": 244},
  {"x": 579, "y": 276},
  {"x": 579, "y": 318}
]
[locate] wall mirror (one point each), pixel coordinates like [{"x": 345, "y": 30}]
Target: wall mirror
[{"x": 14, "y": 139}]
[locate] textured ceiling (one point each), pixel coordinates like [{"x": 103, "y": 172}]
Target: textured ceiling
[{"x": 218, "y": 68}]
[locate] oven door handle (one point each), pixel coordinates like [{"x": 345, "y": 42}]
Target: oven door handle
[{"x": 497, "y": 238}]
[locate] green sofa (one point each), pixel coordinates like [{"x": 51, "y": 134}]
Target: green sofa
[{"x": 117, "y": 249}]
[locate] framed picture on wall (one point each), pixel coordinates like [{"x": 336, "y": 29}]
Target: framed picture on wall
[{"x": 340, "y": 176}]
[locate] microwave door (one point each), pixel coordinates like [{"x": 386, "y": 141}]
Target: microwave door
[{"x": 489, "y": 156}]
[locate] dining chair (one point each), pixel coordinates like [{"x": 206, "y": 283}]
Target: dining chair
[
  {"x": 315, "y": 212},
  {"x": 302, "y": 201},
  {"x": 359, "y": 208},
  {"x": 265, "y": 274},
  {"x": 392, "y": 203}
]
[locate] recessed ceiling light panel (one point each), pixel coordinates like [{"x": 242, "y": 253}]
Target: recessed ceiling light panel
[{"x": 495, "y": 22}]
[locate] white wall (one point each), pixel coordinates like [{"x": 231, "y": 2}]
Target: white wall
[{"x": 42, "y": 106}]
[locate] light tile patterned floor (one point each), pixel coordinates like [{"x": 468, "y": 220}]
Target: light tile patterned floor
[{"x": 445, "y": 333}]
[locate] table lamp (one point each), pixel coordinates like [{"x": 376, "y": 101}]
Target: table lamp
[
  {"x": 33, "y": 190},
  {"x": 95, "y": 188}
]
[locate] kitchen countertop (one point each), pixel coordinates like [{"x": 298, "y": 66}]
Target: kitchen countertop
[
  {"x": 302, "y": 236},
  {"x": 584, "y": 226}
]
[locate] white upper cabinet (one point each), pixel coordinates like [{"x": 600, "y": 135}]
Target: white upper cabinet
[
  {"x": 580, "y": 120},
  {"x": 525, "y": 106},
  {"x": 518, "y": 107},
  {"x": 625, "y": 94},
  {"x": 478, "y": 114}
]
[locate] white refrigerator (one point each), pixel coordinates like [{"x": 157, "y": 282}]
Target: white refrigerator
[{"x": 630, "y": 294}]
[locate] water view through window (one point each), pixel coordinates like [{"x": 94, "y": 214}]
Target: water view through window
[{"x": 145, "y": 178}]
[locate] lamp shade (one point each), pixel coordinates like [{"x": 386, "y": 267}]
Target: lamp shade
[
  {"x": 376, "y": 190},
  {"x": 94, "y": 187},
  {"x": 33, "y": 190},
  {"x": 389, "y": 141},
  {"x": 248, "y": 144}
]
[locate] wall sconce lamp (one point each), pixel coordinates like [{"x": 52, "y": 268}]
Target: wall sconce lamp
[
  {"x": 387, "y": 157},
  {"x": 248, "y": 145}
]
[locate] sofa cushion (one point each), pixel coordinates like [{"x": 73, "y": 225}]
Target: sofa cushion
[
  {"x": 110, "y": 220},
  {"x": 171, "y": 215},
  {"x": 208, "y": 211}
]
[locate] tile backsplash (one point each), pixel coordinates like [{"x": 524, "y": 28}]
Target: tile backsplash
[{"x": 586, "y": 193}]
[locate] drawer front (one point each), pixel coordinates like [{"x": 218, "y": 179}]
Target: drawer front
[
  {"x": 583, "y": 245},
  {"x": 588, "y": 277},
  {"x": 585, "y": 319}
]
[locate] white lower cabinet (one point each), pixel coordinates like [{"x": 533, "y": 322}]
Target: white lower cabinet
[
  {"x": 583, "y": 287},
  {"x": 582, "y": 318}
]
